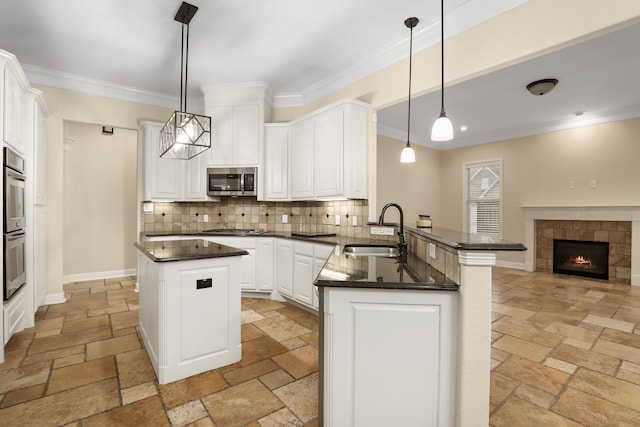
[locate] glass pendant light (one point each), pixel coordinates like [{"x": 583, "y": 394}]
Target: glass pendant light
[
  {"x": 408, "y": 155},
  {"x": 442, "y": 129},
  {"x": 185, "y": 135}
]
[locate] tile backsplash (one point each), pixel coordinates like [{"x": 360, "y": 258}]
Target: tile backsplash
[{"x": 176, "y": 217}]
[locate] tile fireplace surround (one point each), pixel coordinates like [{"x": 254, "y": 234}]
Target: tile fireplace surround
[{"x": 556, "y": 216}]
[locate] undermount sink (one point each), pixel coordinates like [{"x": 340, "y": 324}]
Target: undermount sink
[{"x": 388, "y": 251}]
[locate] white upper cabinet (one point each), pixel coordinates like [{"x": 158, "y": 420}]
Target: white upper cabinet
[
  {"x": 274, "y": 171},
  {"x": 328, "y": 153},
  {"x": 12, "y": 113},
  {"x": 355, "y": 150},
  {"x": 238, "y": 113},
  {"x": 302, "y": 160},
  {"x": 162, "y": 177},
  {"x": 167, "y": 179}
]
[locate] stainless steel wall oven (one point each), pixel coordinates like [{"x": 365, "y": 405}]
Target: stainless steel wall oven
[{"x": 14, "y": 224}]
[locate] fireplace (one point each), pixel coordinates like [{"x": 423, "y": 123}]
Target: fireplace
[{"x": 581, "y": 258}]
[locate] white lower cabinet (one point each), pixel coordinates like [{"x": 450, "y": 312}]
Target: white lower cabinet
[
  {"x": 248, "y": 279},
  {"x": 190, "y": 314},
  {"x": 303, "y": 273},
  {"x": 284, "y": 267},
  {"x": 308, "y": 260},
  {"x": 403, "y": 339},
  {"x": 265, "y": 264},
  {"x": 14, "y": 314}
]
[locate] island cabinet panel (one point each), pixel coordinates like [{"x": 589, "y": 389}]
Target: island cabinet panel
[
  {"x": 404, "y": 340},
  {"x": 190, "y": 315}
]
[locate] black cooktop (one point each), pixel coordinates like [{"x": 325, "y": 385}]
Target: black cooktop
[{"x": 312, "y": 234}]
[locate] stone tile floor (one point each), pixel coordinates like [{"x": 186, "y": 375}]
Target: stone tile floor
[{"x": 566, "y": 352}]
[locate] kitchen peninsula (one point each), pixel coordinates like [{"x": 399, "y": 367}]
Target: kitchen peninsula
[
  {"x": 189, "y": 316},
  {"x": 407, "y": 340}
]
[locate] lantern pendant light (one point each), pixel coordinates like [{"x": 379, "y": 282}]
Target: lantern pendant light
[
  {"x": 185, "y": 135},
  {"x": 442, "y": 129},
  {"x": 408, "y": 155}
]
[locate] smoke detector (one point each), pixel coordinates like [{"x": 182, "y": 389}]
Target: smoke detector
[{"x": 541, "y": 87}]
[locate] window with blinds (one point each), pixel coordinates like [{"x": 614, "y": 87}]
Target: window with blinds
[{"x": 483, "y": 198}]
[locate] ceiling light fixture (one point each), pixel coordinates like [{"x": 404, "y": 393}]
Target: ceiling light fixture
[
  {"x": 408, "y": 155},
  {"x": 442, "y": 129},
  {"x": 541, "y": 87},
  {"x": 185, "y": 135}
]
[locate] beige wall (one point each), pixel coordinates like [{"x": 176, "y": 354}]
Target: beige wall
[
  {"x": 68, "y": 106},
  {"x": 99, "y": 201},
  {"x": 414, "y": 186},
  {"x": 537, "y": 171}
]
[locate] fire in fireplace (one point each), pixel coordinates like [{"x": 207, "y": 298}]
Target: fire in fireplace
[{"x": 581, "y": 258}]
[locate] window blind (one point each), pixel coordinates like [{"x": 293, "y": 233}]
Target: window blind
[{"x": 483, "y": 198}]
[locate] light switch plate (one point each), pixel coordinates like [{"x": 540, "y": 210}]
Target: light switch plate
[{"x": 148, "y": 207}]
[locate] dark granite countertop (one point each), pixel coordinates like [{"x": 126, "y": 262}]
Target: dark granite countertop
[
  {"x": 345, "y": 271},
  {"x": 375, "y": 272},
  {"x": 452, "y": 238},
  {"x": 466, "y": 241},
  {"x": 185, "y": 250}
]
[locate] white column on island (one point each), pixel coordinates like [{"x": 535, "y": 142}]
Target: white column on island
[{"x": 474, "y": 338}]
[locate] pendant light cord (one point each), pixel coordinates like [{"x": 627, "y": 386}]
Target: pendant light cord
[
  {"x": 409, "y": 103},
  {"x": 442, "y": 57},
  {"x": 184, "y": 70}
]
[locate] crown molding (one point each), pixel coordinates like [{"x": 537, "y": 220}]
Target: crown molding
[{"x": 468, "y": 15}]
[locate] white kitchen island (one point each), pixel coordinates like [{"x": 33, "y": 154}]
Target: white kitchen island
[{"x": 189, "y": 306}]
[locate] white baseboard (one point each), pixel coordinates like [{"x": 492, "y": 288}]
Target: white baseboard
[
  {"x": 510, "y": 264},
  {"x": 57, "y": 298},
  {"x": 83, "y": 277}
]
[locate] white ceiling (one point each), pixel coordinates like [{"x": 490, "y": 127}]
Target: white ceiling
[
  {"x": 130, "y": 49},
  {"x": 598, "y": 77}
]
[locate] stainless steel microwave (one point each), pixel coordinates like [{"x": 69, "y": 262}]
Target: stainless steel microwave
[{"x": 232, "y": 182}]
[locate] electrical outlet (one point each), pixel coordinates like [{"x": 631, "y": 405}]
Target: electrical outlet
[
  {"x": 572, "y": 185},
  {"x": 205, "y": 218},
  {"x": 354, "y": 220},
  {"x": 337, "y": 219},
  {"x": 382, "y": 231},
  {"x": 285, "y": 219},
  {"x": 148, "y": 207},
  {"x": 432, "y": 250},
  {"x": 593, "y": 183}
]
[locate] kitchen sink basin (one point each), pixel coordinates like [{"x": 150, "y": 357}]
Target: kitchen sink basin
[{"x": 388, "y": 251}]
